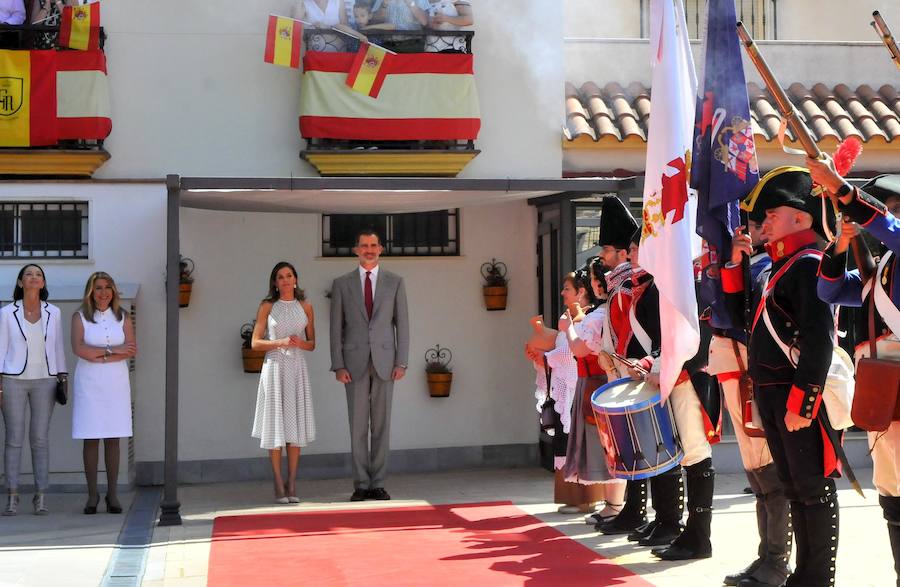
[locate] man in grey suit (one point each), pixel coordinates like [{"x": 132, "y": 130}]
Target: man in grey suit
[{"x": 369, "y": 351}]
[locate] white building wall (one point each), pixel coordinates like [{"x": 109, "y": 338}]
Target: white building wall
[
  {"x": 127, "y": 240},
  {"x": 191, "y": 93},
  {"x": 491, "y": 398}
]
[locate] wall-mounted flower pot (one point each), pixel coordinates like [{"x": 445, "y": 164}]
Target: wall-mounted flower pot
[
  {"x": 184, "y": 294},
  {"x": 253, "y": 360},
  {"x": 439, "y": 384},
  {"x": 495, "y": 297}
]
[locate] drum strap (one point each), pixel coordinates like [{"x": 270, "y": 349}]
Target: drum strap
[{"x": 639, "y": 333}]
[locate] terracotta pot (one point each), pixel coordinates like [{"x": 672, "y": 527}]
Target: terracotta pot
[
  {"x": 184, "y": 294},
  {"x": 439, "y": 384},
  {"x": 495, "y": 297},
  {"x": 253, "y": 360}
]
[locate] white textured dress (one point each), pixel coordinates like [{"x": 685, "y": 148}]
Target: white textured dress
[
  {"x": 101, "y": 397},
  {"x": 284, "y": 410}
]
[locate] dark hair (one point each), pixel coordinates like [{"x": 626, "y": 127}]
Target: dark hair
[
  {"x": 598, "y": 271},
  {"x": 580, "y": 279},
  {"x": 19, "y": 292},
  {"x": 367, "y": 4},
  {"x": 368, "y": 232},
  {"x": 273, "y": 289}
]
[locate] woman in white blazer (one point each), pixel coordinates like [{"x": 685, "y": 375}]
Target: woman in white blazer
[{"x": 33, "y": 359}]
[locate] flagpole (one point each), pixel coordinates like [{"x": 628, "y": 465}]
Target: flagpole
[{"x": 359, "y": 38}]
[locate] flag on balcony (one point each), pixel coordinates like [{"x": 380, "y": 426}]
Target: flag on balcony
[
  {"x": 724, "y": 169},
  {"x": 82, "y": 95},
  {"x": 426, "y": 96},
  {"x": 27, "y": 98},
  {"x": 283, "y": 41},
  {"x": 79, "y": 27},
  {"x": 370, "y": 67},
  {"x": 668, "y": 232}
]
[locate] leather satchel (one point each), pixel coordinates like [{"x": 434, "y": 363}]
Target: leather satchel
[
  {"x": 752, "y": 423},
  {"x": 548, "y": 410},
  {"x": 875, "y": 403}
]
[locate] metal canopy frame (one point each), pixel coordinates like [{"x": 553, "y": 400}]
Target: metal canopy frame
[{"x": 177, "y": 186}]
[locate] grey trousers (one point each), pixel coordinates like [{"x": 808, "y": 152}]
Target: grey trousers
[
  {"x": 40, "y": 395},
  {"x": 369, "y": 406}
]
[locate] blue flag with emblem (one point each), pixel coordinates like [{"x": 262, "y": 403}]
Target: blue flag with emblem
[{"x": 724, "y": 168}]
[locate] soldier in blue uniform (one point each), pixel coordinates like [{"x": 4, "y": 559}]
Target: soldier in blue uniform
[
  {"x": 875, "y": 207},
  {"x": 788, "y": 313}
]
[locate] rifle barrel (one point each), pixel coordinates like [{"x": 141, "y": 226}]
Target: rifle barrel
[{"x": 887, "y": 38}]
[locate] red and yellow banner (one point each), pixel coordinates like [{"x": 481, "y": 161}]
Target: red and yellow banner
[
  {"x": 283, "y": 41},
  {"x": 80, "y": 27},
  {"x": 27, "y": 98},
  {"x": 425, "y": 96},
  {"x": 82, "y": 95},
  {"x": 370, "y": 66}
]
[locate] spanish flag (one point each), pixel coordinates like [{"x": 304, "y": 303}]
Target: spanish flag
[
  {"x": 80, "y": 27},
  {"x": 283, "y": 41},
  {"x": 369, "y": 69},
  {"x": 27, "y": 98}
]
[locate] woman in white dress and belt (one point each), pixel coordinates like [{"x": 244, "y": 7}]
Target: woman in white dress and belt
[
  {"x": 284, "y": 414},
  {"x": 103, "y": 341}
]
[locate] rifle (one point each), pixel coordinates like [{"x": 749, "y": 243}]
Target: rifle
[
  {"x": 887, "y": 38},
  {"x": 861, "y": 253}
]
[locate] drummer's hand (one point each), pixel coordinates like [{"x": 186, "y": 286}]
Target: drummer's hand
[
  {"x": 653, "y": 379},
  {"x": 794, "y": 422},
  {"x": 634, "y": 373},
  {"x": 564, "y": 322}
]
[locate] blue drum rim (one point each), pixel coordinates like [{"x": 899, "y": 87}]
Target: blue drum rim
[
  {"x": 619, "y": 410},
  {"x": 675, "y": 462}
]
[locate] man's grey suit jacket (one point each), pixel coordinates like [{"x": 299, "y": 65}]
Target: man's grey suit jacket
[{"x": 354, "y": 338}]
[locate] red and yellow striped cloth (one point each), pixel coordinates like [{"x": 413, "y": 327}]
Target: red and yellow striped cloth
[
  {"x": 425, "y": 96},
  {"x": 283, "y": 38},
  {"x": 80, "y": 27},
  {"x": 48, "y": 96}
]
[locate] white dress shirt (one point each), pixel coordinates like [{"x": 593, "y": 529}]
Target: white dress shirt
[
  {"x": 373, "y": 277},
  {"x": 12, "y": 11}
]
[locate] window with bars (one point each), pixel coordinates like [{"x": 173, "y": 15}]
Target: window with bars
[
  {"x": 44, "y": 229},
  {"x": 757, "y": 15},
  {"x": 403, "y": 235}
]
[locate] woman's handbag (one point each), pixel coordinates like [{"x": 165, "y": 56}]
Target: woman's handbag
[
  {"x": 62, "y": 390},
  {"x": 548, "y": 410},
  {"x": 875, "y": 404}
]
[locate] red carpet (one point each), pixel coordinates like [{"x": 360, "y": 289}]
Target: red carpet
[{"x": 461, "y": 544}]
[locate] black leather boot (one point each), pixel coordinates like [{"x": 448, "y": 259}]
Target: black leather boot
[
  {"x": 891, "y": 508},
  {"x": 745, "y": 573},
  {"x": 694, "y": 542},
  {"x": 667, "y": 494},
  {"x": 773, "y": 568},
  {"x": 801, "y": 539},
  {"x": 633, "y": 514},
  {"x": 822, "y": 525}
]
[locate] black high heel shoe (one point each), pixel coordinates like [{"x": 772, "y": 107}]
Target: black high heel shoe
[
  {"x": 112, "y": 509},
  {"x": 89, "y": 509}
]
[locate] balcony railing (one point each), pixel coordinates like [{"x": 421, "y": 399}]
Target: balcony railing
[
  {"x": 34, "y": 36},
  {"x": 423, "y": 41}
]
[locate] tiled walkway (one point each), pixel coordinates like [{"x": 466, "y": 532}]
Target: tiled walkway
[{"x": 35, "y": 551}]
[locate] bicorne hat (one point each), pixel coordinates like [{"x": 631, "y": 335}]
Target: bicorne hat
[
  {"x": 616, "y": 224},
  {"x": 792, "y": 187},
  {"x": 883, "y": 187}
]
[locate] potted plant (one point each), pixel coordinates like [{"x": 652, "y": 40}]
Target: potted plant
[
  {"x": 495, "y": 285},
  {"x": 186, "y": 282},
  {"x": 253, "y": 360},
  {"x": 437, "y": 371}
]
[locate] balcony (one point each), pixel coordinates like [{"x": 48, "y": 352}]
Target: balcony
[
  {"x": 40, "y": 138},
  {"x": 416, "y": 126}
]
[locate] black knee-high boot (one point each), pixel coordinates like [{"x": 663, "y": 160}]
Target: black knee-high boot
[
  {"x": 667, "y": 496},
  {"x": 801, "y": 540},
  {"x": 819, "y": 556},
  {"x": 891, "y": 508},
  {"x": 633, "y": 514},
  {"x": 773, "y": 567},
  {"x": 761, "y": 525},
  {"x": 694, "y": 542}
]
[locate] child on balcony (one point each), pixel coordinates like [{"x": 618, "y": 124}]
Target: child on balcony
[{"x": 448, "y": 15}]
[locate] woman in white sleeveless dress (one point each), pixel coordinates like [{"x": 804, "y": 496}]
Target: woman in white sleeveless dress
[
  {"x": 284, "y": 413},
  {"x": 103, "y": 340},
  {"x": 323, "y": 14}
]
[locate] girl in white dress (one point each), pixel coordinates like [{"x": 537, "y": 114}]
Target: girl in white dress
[
  {"x": 103, "y": 341},
  {"x": 284, "y": 414}
]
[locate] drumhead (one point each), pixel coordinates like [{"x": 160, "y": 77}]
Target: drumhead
[{"x": 624, "y": 395}]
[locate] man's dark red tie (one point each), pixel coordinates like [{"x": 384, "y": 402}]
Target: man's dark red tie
[{"x": 370, "y": 303}]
